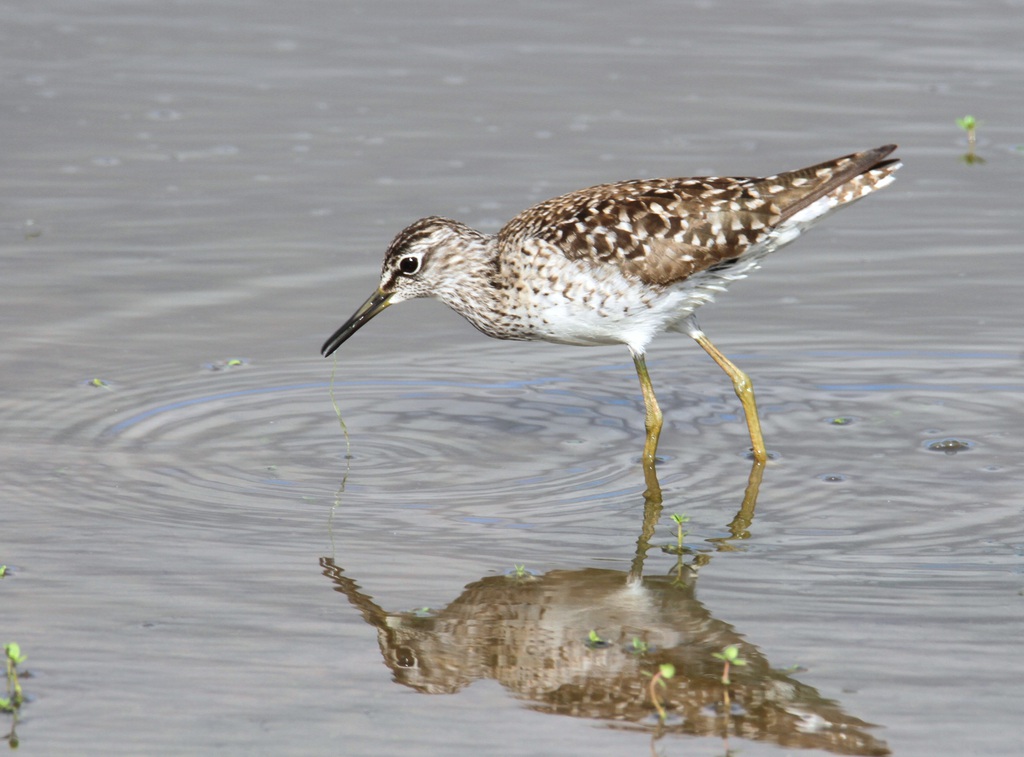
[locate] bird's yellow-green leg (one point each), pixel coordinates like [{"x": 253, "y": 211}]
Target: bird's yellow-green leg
[
  {"x": 652, "y": 420},
  {"x": 744, "y": 390}
]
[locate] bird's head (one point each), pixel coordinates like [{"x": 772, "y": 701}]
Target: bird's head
[{"x": 428, "y": 258}]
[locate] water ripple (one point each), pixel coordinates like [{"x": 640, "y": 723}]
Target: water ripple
[{"x": 252, "y": 445}]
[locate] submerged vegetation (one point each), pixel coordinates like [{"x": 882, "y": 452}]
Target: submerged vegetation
[
  {"x": 15, "y": 697},
  {"x": 970, "y": 125},
  {"x": 729, "y": 656},
  {"x": 594, "y": 641},
  {"x": 665, "y": 672}
]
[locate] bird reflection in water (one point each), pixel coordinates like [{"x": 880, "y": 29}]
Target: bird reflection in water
[{"x": 532, "y": 634}]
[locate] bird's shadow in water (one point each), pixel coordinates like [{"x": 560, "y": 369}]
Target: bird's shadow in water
[{"x": 587, "y": 642}]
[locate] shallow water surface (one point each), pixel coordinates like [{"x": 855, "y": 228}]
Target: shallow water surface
[{"x": 201, "y": 559}]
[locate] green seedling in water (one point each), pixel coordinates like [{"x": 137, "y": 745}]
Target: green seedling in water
[
  {"x": 681, "y": 534},
  {"x": 100, "y": 384},
  {"x": 226, "y": 364},
  {"x": 665, "y": 672},
  {"x": 594, "y": 641},
  {"x": 13, "y": 658},
  {"x": 520, "y": 570},
  {"x": 729, "y": 656},
  {"x": 970, "y": 125},
  {"x": 639, "y": 646},
  {"x": 3, "y": 571}
]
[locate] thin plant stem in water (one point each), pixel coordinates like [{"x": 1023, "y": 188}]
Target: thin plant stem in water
[
  {"x": 665, "y": 672},
  {"x": 970, "y": 125},
  {"x": 681, "y": 533},
  {"x": 337, "y": 411},
  {"x": 729, "y": 656},
  {"x": 15, "y": 697}
]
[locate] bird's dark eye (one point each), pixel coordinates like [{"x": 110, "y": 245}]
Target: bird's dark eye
[{"x": 409, "y": 265}]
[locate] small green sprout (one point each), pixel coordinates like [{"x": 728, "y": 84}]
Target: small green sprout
[
  {"x": 679, "y": 520},
  {"x": 100, "y": 384},
  {"x": 594, "y": 641},
  {"x": 639, "y": 646},
  {"x": 13, "y": 658},
  {"x": 970, "y": 125},
  {"x": 681, "y": 533},
  {"x": 226, "y": 364},
  {"x": 665, "y": 672},
  {"x": 3, "y": 571},
  {"x": 729, "y": 656},
  {"x": 520, "y": 573}
]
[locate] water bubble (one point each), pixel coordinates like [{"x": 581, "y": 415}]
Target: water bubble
[{"x": 832, "y": 478}]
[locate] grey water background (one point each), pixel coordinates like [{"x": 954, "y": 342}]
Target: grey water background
[{"x": 189, "y": 183}]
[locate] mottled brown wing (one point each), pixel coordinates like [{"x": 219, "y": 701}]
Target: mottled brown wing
[
  {"x": 665, "y": 230},
  {"x": 659, "y": 230}
]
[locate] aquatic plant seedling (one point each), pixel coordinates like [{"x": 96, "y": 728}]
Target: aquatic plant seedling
[
  {"x": 679, "y": 548},
  {"x": 594, "y": 641},
  {"x": 970, "y": 125},
  {"x": 13, "y": 658},
  {"x": 729, "y": 656},
  {"x": 679, "y": 520},
  {"x": 3, "y": 571},
  {"x": 665, "y": 672},
  {"x": 226, "y": 364},
  {"x": 521, "y": 573}
]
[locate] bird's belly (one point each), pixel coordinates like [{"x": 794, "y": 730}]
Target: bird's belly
[
  {"x": 631, "y": 318},
  {"x": 573, "y": 303}
]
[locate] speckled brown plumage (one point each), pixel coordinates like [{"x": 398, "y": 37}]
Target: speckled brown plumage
[
  {"x": 619, "y": 263},
  {"x": 665, "y": 230}
]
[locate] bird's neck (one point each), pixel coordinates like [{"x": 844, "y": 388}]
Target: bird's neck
[{"x": 472, "y": 288}]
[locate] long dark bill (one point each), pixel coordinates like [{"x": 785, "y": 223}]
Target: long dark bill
[{"x": 376, "y": 303}]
